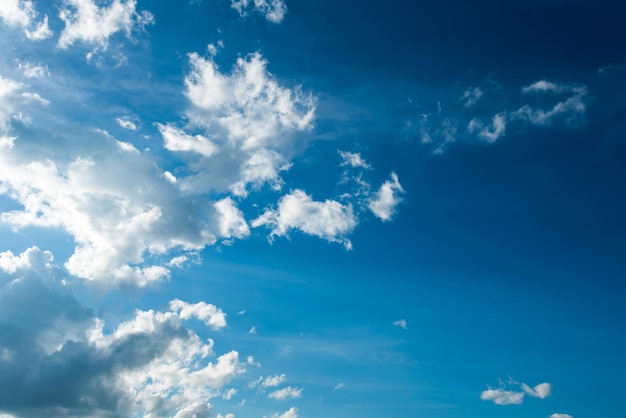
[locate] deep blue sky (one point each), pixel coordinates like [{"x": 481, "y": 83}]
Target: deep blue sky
[{"x": 312, "y": 209}]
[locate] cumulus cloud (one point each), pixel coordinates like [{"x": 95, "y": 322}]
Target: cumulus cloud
[
  {"x": 286, "y": 393},
  {"x": 114, "y": 203},
  {"x": 32, "y": 70},
  {"x": 273, "y": 10},
  {"x": 249, "y": 122},
  {"x": 58, "y": 361},
  {"x": 231, "y": 222},
  {"x": 502, "y": 397},
  {"x": 87, "y": 22},
  {"x": 12, "y": 100},
  {"x": 22, "y": 14},
  {"x": 213, "y": 317},
  {"x": 384, "y": 203},
  {"x": 329, "y": 219}
]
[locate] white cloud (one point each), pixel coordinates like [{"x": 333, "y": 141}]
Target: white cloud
[
  {"x": 116, "y": 206},
  {"x": 400, "y": 323},
  {"x": 561, "y": 416},
  {"x": 230, "y": 220},
  {"x": 273, "y": 381},
  {"x": 87, "y": 22},
  {"x": 148, "y": 365},
  {"x": 8, "y": 97},
  {"x": 502, "y": 397},
  {"x": 291, "y": 413},
  {"x": 229, "y": 394},
  {"x": 353, "y": 160},
  {"x": 339, "y": 386},
  {"x": 571, "y": 110},
  {"x": 225, "y": 416},
  {"x": 492, "y": 132},
  {"x": 262, "y": 167},
  {"x": 540, "y": 391},
  {"x": 329, "y": 219},
  {"x": 252, "y": 330},
  {"x": 273, "y": 10},
  {"x": 22, "y": 14},
  {"x": 286, "y": 393},
  {"x": 126, "y": 123},
  {"x": 383, "y": 205},
  {"x": 177, "y": 140},
  {"x": 213, "y": 317},
  {"x": 31, "y": 70},
  {"x": 471, "y": 96}
]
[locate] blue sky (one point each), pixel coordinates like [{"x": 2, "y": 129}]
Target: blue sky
[{"x": 283, "y": 209}]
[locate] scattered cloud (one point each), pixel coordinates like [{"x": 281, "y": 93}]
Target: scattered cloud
[
  {"x": 540, "y": 391},
  {"x": 88, "y": 22},
  {"x": 502, "y": 397},
  {"x": 230, "y": 220},
  {"x": 273, "y": 10},
  {"x": 286, "y": 393},
  {"x": 560, "y": 416},
  {"x": 384, "y": 203},
  {"x": 273, "y": 381},
  {"x": 401, "y": 323},
  {"x": 22, "y": 14},
  {"x": 291, "y": 413},
  {"x": 471, "y": 96},
  {"x": 32, "y": 70},
  {"x": 213, "y": 317},
  {"x": 329, "y": 219},
  {"x": 126, "y": 123},
  {"x": 353, "y": 160},
  {"x": 492, "y": 132},
  {"x": 339, "y": 386},
  {"x": 571, "y": 110}
]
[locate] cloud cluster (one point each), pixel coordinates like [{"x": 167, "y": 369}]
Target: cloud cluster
[
  {"x": 22, "y": 14},
  {"x": 57, "y": 360},
  {"x": 545, "y": 103},
  {"x": 502, "y": 396}
]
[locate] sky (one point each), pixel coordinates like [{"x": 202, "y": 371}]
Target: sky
[{"x": 298, "y": 209}]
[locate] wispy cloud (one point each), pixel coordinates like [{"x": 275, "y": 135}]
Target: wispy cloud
[
  {"x": 273, "y": 10},
  {"x": 286, "y": 393},
  {"x": 22, "y": 14}
]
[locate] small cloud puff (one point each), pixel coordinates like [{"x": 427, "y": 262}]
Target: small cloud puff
[
  {"x": 286, "y": 393},
  {"x": 501, "y": 396},
  {"x": 401, "y": 323},
  {"x": 22, "y": 14},
  {"x": 384, "y": 203},
  {"x": 273, "y": 10}
]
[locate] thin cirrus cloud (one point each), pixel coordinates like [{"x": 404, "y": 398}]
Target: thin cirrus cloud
[
  {"x": 132, "y": 369},
  {"x": 553, "y": 104}
]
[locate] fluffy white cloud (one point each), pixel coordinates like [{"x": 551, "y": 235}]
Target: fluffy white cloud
[
  {"x": 58, "y": 361},
  {"x": 286, "y": 393},
  {"x": 114, "y": 203},
  {"x": 273, "y": 10},
  {"x": 571, "y": 110},
  {"x": 22, "y": 14},
  {"x": 540, "y": 391},
  {"x": 213, "y": 317},
  {"x": 225, "y": 416},
  {"x": 32, "y": 70},
  {"x": 502, "y": 397},
  {"x": 87, "y": 22},
  {"x": 384, "y": 203},
  {"x": 231, "y": 222},
  {"x": 177, "y": 140},
  {"x": 329, "y": 219},
  {"x": 272, "y": 381},
  {"x": 12, "y": 100},
  {"x": 561, "y": 416},
  {"x": 126, "y": 123}
]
